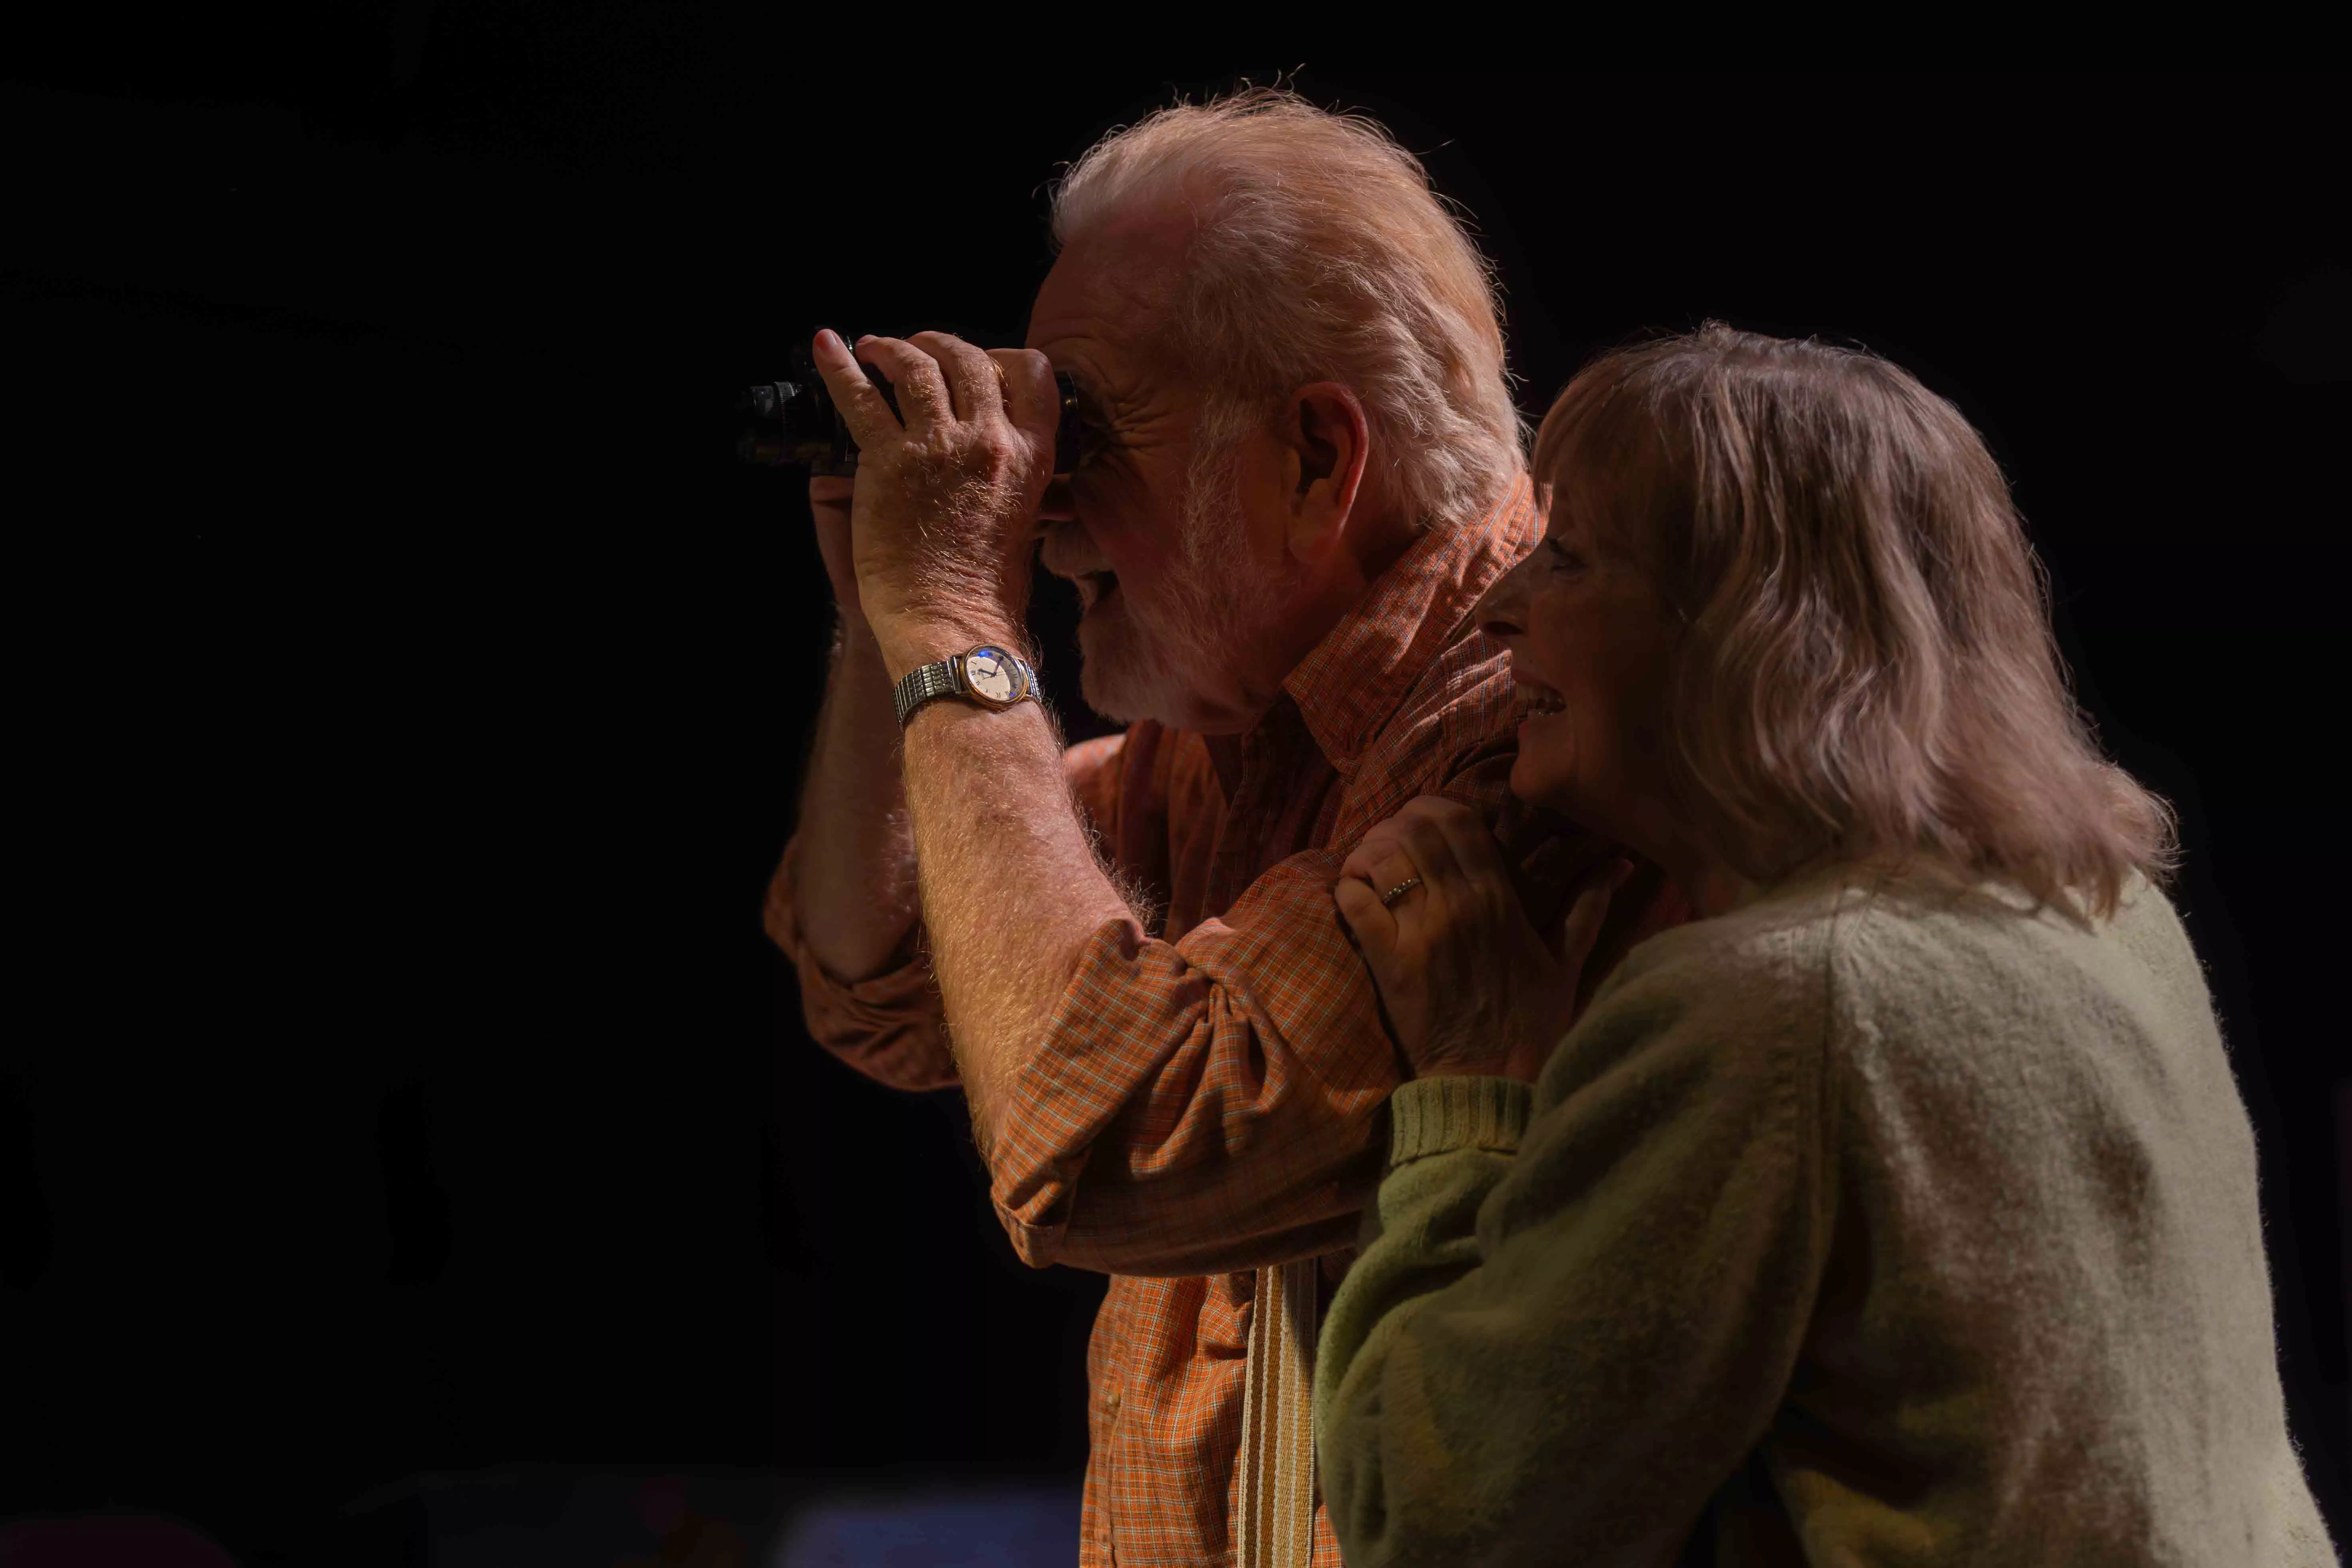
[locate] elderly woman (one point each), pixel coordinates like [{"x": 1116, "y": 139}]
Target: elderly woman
[{"x": 1899, "y": 1209}]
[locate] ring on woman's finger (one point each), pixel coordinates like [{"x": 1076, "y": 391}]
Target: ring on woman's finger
[{"x": 1399, "y": 891}]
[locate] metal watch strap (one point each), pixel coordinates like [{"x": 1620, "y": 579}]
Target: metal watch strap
[
  {"x": 922, "y": 685},
  {"x": 977, "y": 676}
]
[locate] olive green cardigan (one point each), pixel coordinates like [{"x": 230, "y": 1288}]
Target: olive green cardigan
[{"x": 1874, "y": 1225}]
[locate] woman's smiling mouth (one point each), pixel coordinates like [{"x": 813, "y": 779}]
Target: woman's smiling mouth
[{"x": 1542, "y": 701}]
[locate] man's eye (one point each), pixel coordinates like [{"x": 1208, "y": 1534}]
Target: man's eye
[{"x": 1093, "y": 438}]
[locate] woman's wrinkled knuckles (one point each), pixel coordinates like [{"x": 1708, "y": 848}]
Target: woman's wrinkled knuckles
[
  {"x": 1357, "y": 904},
  {"x": 1448, "y": 817},
  {"x": 1379, "y": 841},
  {"x": 1425, "y": 842},
  {"x": 1391, "y": 871}
]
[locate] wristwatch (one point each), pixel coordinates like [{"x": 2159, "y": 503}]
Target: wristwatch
[{"x": 986, "y": 677}]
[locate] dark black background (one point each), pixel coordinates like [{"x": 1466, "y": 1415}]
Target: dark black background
[{"x": 410, "y": 689}]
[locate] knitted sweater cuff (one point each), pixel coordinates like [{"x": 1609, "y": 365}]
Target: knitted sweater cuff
[{"x": 1435, "y": 1115}]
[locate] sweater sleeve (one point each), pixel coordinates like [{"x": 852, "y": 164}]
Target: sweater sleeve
[{"x": 1559, "y": 1342}]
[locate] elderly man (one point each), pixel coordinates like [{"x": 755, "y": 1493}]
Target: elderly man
[{"x": 1303, "y": 469}]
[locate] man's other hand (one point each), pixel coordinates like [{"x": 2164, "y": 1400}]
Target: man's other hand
[
  {"x": 829, "y": 503},
  {"x": 946, "y": 500}
]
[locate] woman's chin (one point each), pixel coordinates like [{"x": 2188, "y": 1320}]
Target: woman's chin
[{"x": 1536, "y": 785}]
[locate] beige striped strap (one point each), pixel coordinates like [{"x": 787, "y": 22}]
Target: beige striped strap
[{"x": 1277, "y": 1460}]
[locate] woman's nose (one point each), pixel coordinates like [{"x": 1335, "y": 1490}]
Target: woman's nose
[{"x": 1501, "y": 613}]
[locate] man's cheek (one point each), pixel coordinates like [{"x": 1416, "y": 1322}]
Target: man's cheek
[
  {"x": 1134, "y": 554},
  {"x": 1134, "y": 537}
]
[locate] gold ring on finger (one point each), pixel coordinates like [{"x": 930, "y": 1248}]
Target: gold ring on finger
[{"x": 1399, "y": 891}]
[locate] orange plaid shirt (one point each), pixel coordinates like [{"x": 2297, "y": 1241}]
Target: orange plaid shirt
[{"x": 1208, "y": 1097}]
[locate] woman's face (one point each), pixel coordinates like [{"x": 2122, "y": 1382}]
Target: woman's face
[{"x": 1589, "y": 643}]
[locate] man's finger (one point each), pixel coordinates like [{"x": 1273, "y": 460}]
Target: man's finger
[
  {"x": 973, "y": 383},
  {"x": 915, "y": 376},
  {"x": 862, "y": 408},
  {"x": 1034, "y": 400}
]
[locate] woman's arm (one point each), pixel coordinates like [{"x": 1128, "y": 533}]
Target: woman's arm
[{"x": 1578, "y": 1306}]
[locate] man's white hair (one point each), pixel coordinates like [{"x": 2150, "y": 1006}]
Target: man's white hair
[{"x": 1319, "y": 252}]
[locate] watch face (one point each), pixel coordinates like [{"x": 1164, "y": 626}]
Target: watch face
[{"x": 990, "y": 675}]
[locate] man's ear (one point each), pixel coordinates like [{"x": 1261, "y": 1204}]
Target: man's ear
[{"x": 1328, "y": 442}]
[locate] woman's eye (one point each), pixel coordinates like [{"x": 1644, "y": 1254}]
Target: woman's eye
[{"x": 1562, "y": 558}]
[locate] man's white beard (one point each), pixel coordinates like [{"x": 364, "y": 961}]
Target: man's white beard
[{"x": 1200, "y": 619}]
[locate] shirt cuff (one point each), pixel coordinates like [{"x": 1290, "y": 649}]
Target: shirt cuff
[
  {"x": 887, "y": 1025},
  {"x": 1437, "y": 1115}
]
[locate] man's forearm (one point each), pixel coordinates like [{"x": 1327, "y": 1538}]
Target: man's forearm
[
  {"x": 943, "y": 524},
  {"x": 1011, "y": 887},
  {"x": 855, "y": 869}
]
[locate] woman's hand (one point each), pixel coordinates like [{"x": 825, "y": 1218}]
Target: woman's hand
[{"x": 1469, "y": 985}]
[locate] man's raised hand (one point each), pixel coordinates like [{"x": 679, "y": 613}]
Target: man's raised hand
[
  {"x": 946, "y": 500},
  {"x": 830, "y": 496}
]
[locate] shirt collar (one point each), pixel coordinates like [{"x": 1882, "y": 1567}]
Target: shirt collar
[{"x": 1352, "y": 681}]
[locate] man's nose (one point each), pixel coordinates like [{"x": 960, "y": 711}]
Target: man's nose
[{"x": 1056, "y": 507}]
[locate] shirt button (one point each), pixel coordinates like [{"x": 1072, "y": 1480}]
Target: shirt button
[{"x": 1110, "y": 1403}]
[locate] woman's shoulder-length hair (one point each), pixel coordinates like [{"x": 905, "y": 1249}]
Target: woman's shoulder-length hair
[{"x": 1863, "y": 668}]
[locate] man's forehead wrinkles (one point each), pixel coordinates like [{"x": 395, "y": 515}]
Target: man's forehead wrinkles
[
  {"x": 1096, "y": 350},
  {"x": 1098, "y": 315},
  {"x": 1123, "y": 270}
]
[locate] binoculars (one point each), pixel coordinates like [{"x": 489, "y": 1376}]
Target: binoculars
[{"x": 794, "y": 424}]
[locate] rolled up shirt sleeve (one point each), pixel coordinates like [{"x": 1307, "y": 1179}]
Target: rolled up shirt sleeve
[
  {"x": 1204, "y": 1105},
  {"x": 1567, "y": 1337},
  {"x": 1216, "y": 1102},
  {"x": 890, "y": 1026}
]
